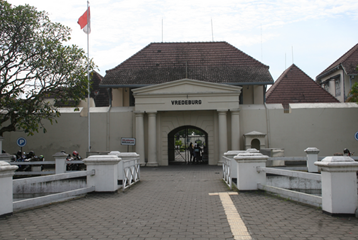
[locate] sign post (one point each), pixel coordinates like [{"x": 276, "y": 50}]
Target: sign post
[
  {"x": 21, "y": 142},
  {"x": 128, "y": 142}
]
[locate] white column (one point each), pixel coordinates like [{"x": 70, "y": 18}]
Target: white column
[
  {"x": 152, "y": 139},
  {"x": 312, "y": 157},
  {"x": 247, "y": 175},
  {"x": 339, "y": 184},
  {"x": 140, "y": 136},
  {"x": 235, "y": 129},
  {"x": 6, "y": 190},
  {"x": 222, "y": 134},
  {"x": 106, "y": 172},
  {"x": 60, "y": 160}
]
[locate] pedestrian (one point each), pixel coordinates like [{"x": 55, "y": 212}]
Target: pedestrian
[{"x": 191, "y": 151}]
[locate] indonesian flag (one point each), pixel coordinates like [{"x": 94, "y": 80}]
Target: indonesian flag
[{"x": 85, "y": 21}]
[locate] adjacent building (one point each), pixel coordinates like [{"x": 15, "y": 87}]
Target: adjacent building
[{"x": 339, "y": 77}]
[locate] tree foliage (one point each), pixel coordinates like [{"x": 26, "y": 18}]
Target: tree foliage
[
  {"x": 36, "y": 64},
  {"x": 353, "y": 93}
]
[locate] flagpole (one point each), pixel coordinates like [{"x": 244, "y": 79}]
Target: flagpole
[{"x": 88, "y": 78}]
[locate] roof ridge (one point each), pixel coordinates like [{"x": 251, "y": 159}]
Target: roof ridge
[
  {"x": 339, "y": 60},
  {"x": 278, "y": 81},
  {"x": 297, "y": 86}
]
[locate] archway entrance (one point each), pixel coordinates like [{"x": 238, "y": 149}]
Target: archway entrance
[{"x": 179, "y": 140}]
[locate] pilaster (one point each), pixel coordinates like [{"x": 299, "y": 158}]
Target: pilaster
[
  {"x": 140, "y": 136},
  {"x": 222, "y": 134},
  {"x": 152, "y": 139}
]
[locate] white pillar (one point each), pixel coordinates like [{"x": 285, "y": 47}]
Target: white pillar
[
  {"x": 339, "y": 184},
  {"x": 105, "y": 178},
  {"x": 235, "y": 129},
  {"x": 6, "y": 190},
  {"x": 60, "y": 160},
  {"x": 312, "y": 157},
  {"x": 152, "y": 139},
  {"x": 222, "y": 134},
  {"x": 247, "y": 175},
  {"x": 140, "y": 137}
]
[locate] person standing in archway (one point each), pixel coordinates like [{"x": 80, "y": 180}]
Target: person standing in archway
[
  {"x": 197, "y": 151},
  {"x": 191, "y": 150}
]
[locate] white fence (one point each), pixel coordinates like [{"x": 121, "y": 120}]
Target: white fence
[
  {"x": 105, "y": 173},
  {"x": 249, "y": 171},
  {"x": 39, "y": 201}
]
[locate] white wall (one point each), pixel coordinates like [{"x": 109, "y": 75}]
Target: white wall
[{"x": 329, "y": 127}]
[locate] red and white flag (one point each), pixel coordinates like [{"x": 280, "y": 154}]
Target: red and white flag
[{"x": 85, "y": 21}]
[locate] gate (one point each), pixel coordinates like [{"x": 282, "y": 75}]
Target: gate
[{"x": 178, "y": 144}]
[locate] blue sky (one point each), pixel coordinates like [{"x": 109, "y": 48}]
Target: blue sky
[{"x": 317, "y": 32}]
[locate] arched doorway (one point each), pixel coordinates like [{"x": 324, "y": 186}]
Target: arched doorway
[
  {"x": 255, "y": 143},
  {"x": 178, "y": 143}
]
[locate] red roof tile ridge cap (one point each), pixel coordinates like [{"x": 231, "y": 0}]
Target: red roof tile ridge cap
[
  {"x": 339, "y": 60},
  {"x": 266, "y": 66},
  {"x": 94, "y": 72},
  {"x": 277, "y": 82}
]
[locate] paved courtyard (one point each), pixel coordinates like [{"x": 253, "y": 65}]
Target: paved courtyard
[{"x": 177, "y": 202}]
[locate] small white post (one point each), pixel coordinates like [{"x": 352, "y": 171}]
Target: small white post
[
  {"x": 247, "y": 175},
  {"x": 60, "y": 160},
  {"x": 233, "y": 163},
  {"x": 312, "y": 157},
  {"x": 339, "y": 184},
  {"x": 106, "y": 172},
  {"x": 6, "y": 199}
]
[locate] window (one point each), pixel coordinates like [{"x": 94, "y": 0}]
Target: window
[
  {"x": 338, "y": 87},
  {"x": 326, "y": 86}
]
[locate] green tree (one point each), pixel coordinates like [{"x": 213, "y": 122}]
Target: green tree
[
  {"x": 35, "y": 63},
  {"x": 353, "y": 93}
]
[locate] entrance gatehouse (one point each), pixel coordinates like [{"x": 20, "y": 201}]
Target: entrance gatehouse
[
  {"x": 179, "y": 141},
  {"x": 170, "y": 115}
]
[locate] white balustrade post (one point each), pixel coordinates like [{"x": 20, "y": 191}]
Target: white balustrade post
[
  {"x": 105, "y": 178},
  {"x": 247, "y": 175},
  {"x": 233, "y": 163},
  {"x": 339, "y": 184},
  {"x": 6, "y": 199},
  {"x": 312, "y": 157},
  {"x": 60, "y": 160}
]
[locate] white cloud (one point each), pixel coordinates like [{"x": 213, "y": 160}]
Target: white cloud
[{"x": 121, "y": 28}]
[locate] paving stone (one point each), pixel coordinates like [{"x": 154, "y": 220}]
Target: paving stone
[{"x": 174, "y": 203}]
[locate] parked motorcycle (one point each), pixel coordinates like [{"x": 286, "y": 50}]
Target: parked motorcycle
[
  {"x": 73, "y": 166},
  {"x": 29, "y": 157}
]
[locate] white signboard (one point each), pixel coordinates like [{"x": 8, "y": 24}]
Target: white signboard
[{"x": 128, "y": 141}]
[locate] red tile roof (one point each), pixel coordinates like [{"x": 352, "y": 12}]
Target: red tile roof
[
  {"x": 295, "y": 86},
  {"x": 349, "y": 61},
  {"x": 206, "y": 61}
]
